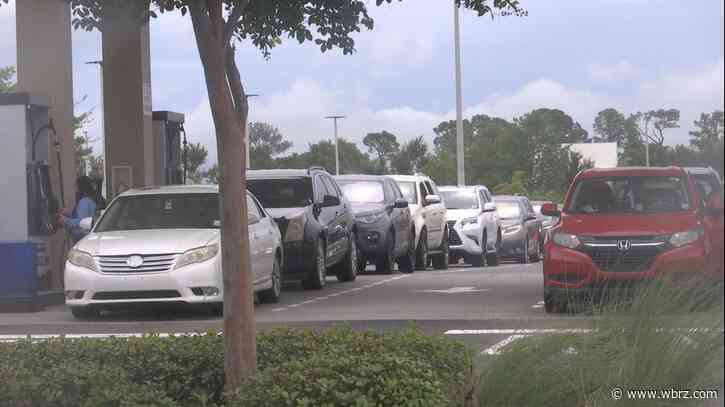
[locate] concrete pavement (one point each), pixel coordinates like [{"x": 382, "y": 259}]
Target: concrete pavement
[{"x": 491, "y": 302}]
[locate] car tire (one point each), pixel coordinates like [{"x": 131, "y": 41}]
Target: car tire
[
  {"x": 421, "y": 252},
  {"x": 492, "y": 259},
  {"x": 440, "y": 260},
  {"x": 406, "y": 263},
  {"x": 316, "y": 279},
  {"x": 85, "y": 312},
  {"x": 479, "y": 261},
  {"x": 553, "y": 306},
  {"x": 348, "y": 269},
  {"x": 525, "y": 256},
  {"x": 385, "y": 264},
  {"x": 272, "y": 294}
]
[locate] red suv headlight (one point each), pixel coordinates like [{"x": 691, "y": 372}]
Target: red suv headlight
[{"x": 566, "y": 240}]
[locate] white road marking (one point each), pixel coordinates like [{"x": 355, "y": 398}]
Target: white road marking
[
  {"x": 496, "y": 348},
  {"x": 539, "y": 304},
  {"x": 41, "y": 337},
  {"x": 517, "y": 331},
  {"x": 348, "y": 291},
  {"x": 454, "y": 290}
]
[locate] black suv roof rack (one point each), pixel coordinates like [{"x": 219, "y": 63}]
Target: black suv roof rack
[{"x": 316, "y": 168}]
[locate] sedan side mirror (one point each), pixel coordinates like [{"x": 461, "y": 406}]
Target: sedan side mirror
[
  {"x": 86, "y": 224},
  {"x": 432, "y": 199},
  {"x": 489, "y": 207},
  {"x": 330, "y": 200},
  {"x": 400, "y": 204},
  {"x": 550, "y": 209}
]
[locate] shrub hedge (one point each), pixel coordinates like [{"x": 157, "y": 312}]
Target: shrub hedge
[{"x": 335, "y": 367}]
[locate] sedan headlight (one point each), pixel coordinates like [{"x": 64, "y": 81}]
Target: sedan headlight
[
  {"x": 81, "y": 259},
  {"x": 566, "y": 240},
  {"x": 680, "y": 239},
  {"x": 510, "y": 230},
  {"x": 369, "y": 218},
  {"x": 197, "y": 255},
  {"x": 469, "y": 221},
  {"x": 295, "y": 231}
]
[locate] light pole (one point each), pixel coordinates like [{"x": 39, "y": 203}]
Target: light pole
[
  {"x": 103, "y": 127},
  {"x": 460, "y": 163},
  {"x": 246, "y": 136},
  {"x": 337, "y": 148}
]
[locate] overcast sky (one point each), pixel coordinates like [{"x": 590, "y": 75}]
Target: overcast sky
[{"x": 578, "y": 56}]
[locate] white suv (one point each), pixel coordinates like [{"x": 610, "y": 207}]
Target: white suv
[
  {"x": 429, "y": 217},
  {"x": 473, "y": 223}
]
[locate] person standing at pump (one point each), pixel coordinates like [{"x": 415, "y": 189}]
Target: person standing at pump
[{"x": 85, "y": 208}]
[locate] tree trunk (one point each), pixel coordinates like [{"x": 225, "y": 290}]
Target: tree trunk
[{"x": 240, "y": 359}]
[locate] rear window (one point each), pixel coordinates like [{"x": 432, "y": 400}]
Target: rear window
[
  {"x": 282, "y": 193},
  {"x": 644, "y": 194},
  {"x": 163, "y": 211}
]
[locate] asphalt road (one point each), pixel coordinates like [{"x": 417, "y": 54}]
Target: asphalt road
[{"x": 482, "y": 306}]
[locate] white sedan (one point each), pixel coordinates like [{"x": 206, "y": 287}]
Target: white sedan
[{"x": 162, "y": 245}]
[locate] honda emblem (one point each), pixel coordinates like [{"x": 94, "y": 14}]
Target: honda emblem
[{"x": 624, "y": 245}]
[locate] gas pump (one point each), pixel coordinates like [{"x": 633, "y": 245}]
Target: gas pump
[
  {"x": 30, "y": 204},
  {"x": 169, "y": 135}
]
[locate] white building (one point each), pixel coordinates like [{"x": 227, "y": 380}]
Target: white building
[{"x": 603, "y": 155}]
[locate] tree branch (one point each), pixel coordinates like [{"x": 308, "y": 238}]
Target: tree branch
[
  {"x": 216, "y": 17},
  {"x": 233, "y": 19},
  {"x": 235, "y": 85},
  {"x": 200, "y": 22}
]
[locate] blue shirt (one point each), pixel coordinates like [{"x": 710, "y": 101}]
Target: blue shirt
[{"x": 85, "y": 208}]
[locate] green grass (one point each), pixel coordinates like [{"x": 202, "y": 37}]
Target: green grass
[{"x": 665, "y": 336}]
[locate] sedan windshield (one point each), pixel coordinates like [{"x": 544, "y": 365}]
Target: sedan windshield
[
  {"x": 363, "y": 191},
  {"x": 460, "y": 199},
  {"x": 508, "y": 209},
  {"x": 163, "y": 211},
  {"x": 644, "y": 194},
  {"x": 282, "y": 193}
]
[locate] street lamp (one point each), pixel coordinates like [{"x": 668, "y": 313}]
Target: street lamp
[
  {"x": 103, "y": 126},
  {"x": 246, "y": 137},
  {"x": 337, "y": 148},
  {"x": 460, "y": 164}
]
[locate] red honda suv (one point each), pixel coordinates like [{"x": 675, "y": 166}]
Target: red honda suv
[{"x": 621, "y": 225}]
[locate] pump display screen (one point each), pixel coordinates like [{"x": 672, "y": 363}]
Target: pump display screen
[{"x": 164, "y": 211}]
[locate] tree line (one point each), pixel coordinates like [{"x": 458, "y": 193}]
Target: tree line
[{"x": 524, "y": 155}]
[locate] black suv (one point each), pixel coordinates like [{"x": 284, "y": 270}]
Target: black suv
[{"x": 315, "y": 220}]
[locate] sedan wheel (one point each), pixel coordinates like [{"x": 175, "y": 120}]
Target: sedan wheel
[
  {"x": 348, "y": 269},
  {"x": 272, "y": 294}
]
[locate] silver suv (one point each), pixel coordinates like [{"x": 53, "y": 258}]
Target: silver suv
[{"x": 429, "y": 217}]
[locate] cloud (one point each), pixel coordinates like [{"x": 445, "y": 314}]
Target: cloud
[{"x": 612, "y": 73}]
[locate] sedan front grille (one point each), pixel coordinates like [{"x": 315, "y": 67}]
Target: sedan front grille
[
  {"x": 136, "y": 295},
  {"x": 152, "y": 263}
]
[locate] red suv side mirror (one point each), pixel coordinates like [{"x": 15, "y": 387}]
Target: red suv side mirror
[{"x": 550, "y": 209}]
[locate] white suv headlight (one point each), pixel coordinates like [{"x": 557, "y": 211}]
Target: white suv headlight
[
  {"x": 198, "y": 255},
  {"x": 81, "y": 259},
  {"x": 680, "y": 239},
  {"x": 566, "y": 240},
  {"x": 469, "y": 221},
  {"x": 369, "y": 218}
]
